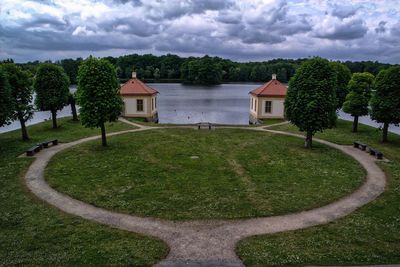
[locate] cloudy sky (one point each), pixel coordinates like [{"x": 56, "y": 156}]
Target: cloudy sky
[{"x": 238, "y": 29}]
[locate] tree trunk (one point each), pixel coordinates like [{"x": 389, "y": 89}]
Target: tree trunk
[
  {"x": 24, "y": 132},
  {"x": 308, "y": 143},
  {"x": 54, "y": 117},
  {"x": 385, "y": 132},
  {"x": 355, "y": 124},
  {"x": 103, "y": 135},
  {"x": 73, "y": 109}
]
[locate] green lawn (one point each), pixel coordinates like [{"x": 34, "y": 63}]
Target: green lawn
[
  {"x": 34, "y": 234},
  {"x": 239, "y": 173},
  {"x": 370, "y": 235},
  {"x": 271, "y": 121}
]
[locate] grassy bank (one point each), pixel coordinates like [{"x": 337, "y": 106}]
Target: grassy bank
[
  {"x": 35, "y": 234},
  {"x": 371, "y": 235},
  {"x": 236, "y": 174}
]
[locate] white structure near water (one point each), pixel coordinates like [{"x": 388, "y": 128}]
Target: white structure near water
[
  {"x": 267, "y": 101},
  {"x": 140, "y": 100}
]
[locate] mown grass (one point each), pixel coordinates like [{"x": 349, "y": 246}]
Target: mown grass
[
  {"x": 371, "y": 235},
  {"x": 35, "y": 234},
  {"x": 238, "y": 174},
  {"x": 271, "y": 121}
]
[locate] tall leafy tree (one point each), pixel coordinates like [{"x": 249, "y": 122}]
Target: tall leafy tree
[
  {"x": 72, "y": 103},
  {"x": 357, "y": 100},
  {"x": 385, "y": 102},
  {"x": 21, "y": 94},
  {"x": 343, "y": 75},
  {"x": 311, "y": 100},
  {"x": 98, "y": 94},
  {"x": 6, "y": 103},
  {"x": 52, "y": 89}
]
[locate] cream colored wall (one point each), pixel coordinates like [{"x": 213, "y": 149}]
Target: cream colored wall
[
  {"x": 258, "y": 110},
  {"x": 130, "y": 109},
  {"x": 278, "y": 108},
  {"x": 254, "y": 105},
  {"x": 153, "y": 104}
]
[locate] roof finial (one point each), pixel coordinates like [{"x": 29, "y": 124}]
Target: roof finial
[
  {"x": 274, "y": 76},
  {"x": 133, "y": 74}
]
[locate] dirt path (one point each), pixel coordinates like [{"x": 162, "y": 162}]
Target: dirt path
[{"x": 207, "y": 242}]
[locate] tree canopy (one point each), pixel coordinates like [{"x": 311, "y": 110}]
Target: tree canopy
[
  {"x": 6, "y": 104},
  {"x": 52, "y": 89},
  {"x": 204, "y": 71},
  {"x": 343, "y": 75},
  {"x": 311, "y": 98},
  {"x": 98, "y": 94},
  {"x": 385, "y": 102},
  {"x": 357, "y": 100},
  {"x": 21, "y": 95}
]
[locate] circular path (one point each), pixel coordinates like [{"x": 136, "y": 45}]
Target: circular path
[{"x": 207, "y": 242}]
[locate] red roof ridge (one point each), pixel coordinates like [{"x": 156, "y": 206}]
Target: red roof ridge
[
  {"x": 134, "y": 86},
  {"x": 273, "y": 88}
]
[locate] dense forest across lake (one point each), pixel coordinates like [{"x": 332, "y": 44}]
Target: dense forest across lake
[{"x": 201, "y": 70}]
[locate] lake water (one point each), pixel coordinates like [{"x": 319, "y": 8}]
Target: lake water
[{"x": 181, "y": 104}]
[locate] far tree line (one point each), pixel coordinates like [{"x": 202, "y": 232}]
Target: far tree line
[
  {"x": 199, "y": 70},
  {"x": 317, "y": 90}
]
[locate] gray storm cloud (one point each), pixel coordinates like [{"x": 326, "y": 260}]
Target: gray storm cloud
[{"x": 241, "y": 30}]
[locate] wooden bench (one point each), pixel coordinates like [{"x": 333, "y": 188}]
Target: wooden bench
[
  {"x": 204, "y": 125},
  {"x": 54, "y": 142},
  {"x": 360, "y": 145},
  {"x": 375, "y": 152},
  {"x": 31, "y": 151}
]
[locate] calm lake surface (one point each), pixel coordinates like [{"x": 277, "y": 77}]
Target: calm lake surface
[{"x": 180, "y": 104}]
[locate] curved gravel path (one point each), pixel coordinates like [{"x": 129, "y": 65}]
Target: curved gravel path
[{"x": 206, "y": 242}]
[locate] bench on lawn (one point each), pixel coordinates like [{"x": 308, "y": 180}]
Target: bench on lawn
[
  {"x": 375, "y": 152},
  {"x": 54, "y": 142},
  {"x": 204, "y": 125},
  {"x": 358, "y": 144},
  {"x": 31, "y": 151},
  {"x": 36, "y": 148}
]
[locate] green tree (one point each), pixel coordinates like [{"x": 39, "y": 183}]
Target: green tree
[
  {"x": 21, "y": 94},
  {"x": 6, "y": 103},
  {"x": 98, "y": 94},
  {"x": 72, "y": 103},
  {"x": 205, "y": 70},
  {"x": 70, "y": 67},
  {"x": 343, "y": 77},
  {"x": 52, "y": 89},
  {"x": 385, "y": 102},
  {"x": 311, "y": 101},
  {"x": 359, "y": 95},
  {"x": 156, "y": 74}
]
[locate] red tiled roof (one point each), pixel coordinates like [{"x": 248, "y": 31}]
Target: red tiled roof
[
  {"x": 136, "y": 87},
  {"x": 273, "y": 88}
]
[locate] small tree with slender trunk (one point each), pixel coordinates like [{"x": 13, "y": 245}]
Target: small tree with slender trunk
[
  {"x": 98, "y": 94},
  {"x": 72, "y": 102},
  {"x": 311, "y": 98},
  {"x": 52, "y": 88},
  {"x": 357, "y": 101},
  {"x": 385, "y": 102},
  {"x": 21, "y": 94},
  {"x": 6, "y": 103}
]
